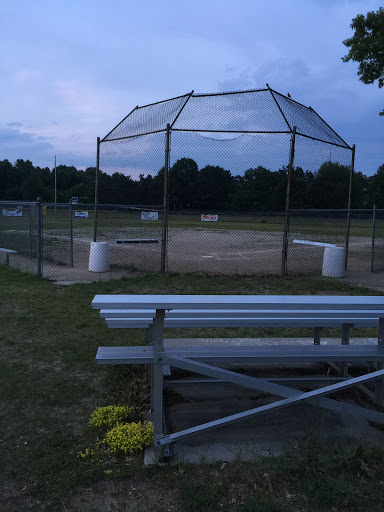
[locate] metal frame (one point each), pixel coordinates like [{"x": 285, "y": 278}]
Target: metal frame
[
  {"x": 200, "y": 360},
  {"x": 250, "y": 382}
]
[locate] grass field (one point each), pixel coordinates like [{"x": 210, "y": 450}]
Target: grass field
[
  {"x": 49, "y": 385},
  {"x": 331, "y": 224}
]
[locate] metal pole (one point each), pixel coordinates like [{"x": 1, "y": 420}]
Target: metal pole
[
  {"x": 96, "y": 189},
  {"x": 373, "y": 235},
  {"x": 349, "y": 206},
  {"x": 30, "y": 229},
  {"x": 39, "y": 238},
  {"x": 158, "y": 375},
  {"x": 379, "y": 384},
  {"x": 286, "y": 211},
  {"x": 71, "y": 232},
  {"x": 55, "y": 185},
  {"x": 164, "y": 236}
]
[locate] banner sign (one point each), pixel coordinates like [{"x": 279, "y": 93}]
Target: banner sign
[
  {"x": 81, "y": 215},
  {"x": 12, "y": 213},
  {"x": 210, "y": 218},
  {"x": 149, "y": 215}
]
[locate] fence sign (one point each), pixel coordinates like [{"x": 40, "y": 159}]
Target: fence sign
[
  {"x": 149, "y": 215},
  {"x": 74, "y": 200},
  {"x": 12, "y": 213},
  {"x": 81, "y": 215},
  {"x": 209, "y": 218}
]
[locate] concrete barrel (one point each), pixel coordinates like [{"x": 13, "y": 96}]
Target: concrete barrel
[
  {"x": 334, "y": 262},
  {"x": 99, "y": 257}
]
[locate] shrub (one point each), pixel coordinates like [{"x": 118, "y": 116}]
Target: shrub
[
  {"x": 129, "y": 437},
  {"x": 110, "y": 416}
]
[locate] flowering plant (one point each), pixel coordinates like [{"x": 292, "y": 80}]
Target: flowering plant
[{"x": 110, "y": 416}]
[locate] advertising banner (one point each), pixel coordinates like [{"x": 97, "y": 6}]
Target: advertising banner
[
  {"x": 12, "y": 213},
  {"x": 209, "y": 218},
  {"x": 81, "y": 215},
  {"x": 149, "y": 215}
]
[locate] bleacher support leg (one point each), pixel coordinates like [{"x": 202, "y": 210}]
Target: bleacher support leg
[
  {"x": 379, "y": 384},
  {"x": 345, "y": 341},
  {"x": 158, "y": 376}
]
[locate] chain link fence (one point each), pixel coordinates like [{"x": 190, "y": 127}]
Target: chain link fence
[
  {"x": 197, "y": 158},
  {"x": 310, "y": 232},
  {"x": 19, "y": 230},
  {"x": 55, "y": 240},
  {"x": 377, "y": 260},
  {"x": 225, "y": 243},
  {"x": 242, "y": 151}
]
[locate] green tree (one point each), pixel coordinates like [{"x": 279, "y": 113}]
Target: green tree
[
  {"x": 376, "y": 188},
  {"x": 329, "y": 188},
  {"x": 366, "y": 46},
  {"x": 258, "y": 188},
  {"x": 214, "y": 188},
  {"x": 9, "y": 181},
  {"x": 183, "y": 176},
  {"x": 33, "y": 187},
  {"x": 300, "y": 184}
]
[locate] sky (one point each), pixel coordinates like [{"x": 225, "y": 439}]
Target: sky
[{"x": 71, "y": 70}]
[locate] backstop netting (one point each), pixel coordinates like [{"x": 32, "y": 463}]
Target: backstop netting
[{"x": 217, "y": 142}]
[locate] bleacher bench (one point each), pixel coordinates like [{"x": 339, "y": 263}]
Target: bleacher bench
[
  {"x": 7, "y": 252},
  {"x": 138, "y": 241},
  {"x": 154, "y": 313}
]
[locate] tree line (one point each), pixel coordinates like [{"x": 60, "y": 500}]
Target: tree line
[{"x": 210, "y": 188}]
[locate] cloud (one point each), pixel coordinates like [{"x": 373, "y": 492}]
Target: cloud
[
  {"x": 14, "y": 144},
  {"x": 67, "y": 83}
]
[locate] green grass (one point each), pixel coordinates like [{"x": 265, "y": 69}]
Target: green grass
[{"x": 49, "y": 385}]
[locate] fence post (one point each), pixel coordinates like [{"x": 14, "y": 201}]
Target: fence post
[
  {"x": 284, "y": 256},
  {"x": 373, "y": 236},
  {"x": 164, "y": 237},
  {"x": 71, "y": 232},
  {"x": 30, "y": 229},
  {"x": 39, "y": 238},
  {"x": 96, "y": 189},
  {"x": 349, "y": 206}
]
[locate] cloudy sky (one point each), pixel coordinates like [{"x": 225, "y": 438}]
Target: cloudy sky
[{"x": 71, "y": 70}]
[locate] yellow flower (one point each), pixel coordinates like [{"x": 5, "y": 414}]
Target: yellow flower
[{"x": 110, "y": 416}]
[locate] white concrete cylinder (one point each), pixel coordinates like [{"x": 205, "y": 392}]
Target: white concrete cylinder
[
  {"x": 333, "y": 262},
  {"x": 99, "y": 257}
]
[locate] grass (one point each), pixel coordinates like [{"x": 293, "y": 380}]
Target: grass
[{"x": 49, "y": 385}]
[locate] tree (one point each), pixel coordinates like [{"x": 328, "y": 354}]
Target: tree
[
  {"x": 330, "y": 185},
  {"x": 258, "y": 188},
  {"x": 183, "y": 176},
  {"x": 376, "y": 188},
  {"x": 366, "y": 46},
  {"x": 214, "y": 187}
]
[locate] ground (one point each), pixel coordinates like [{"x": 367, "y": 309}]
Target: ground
[{"x": 49, "y": 385}]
